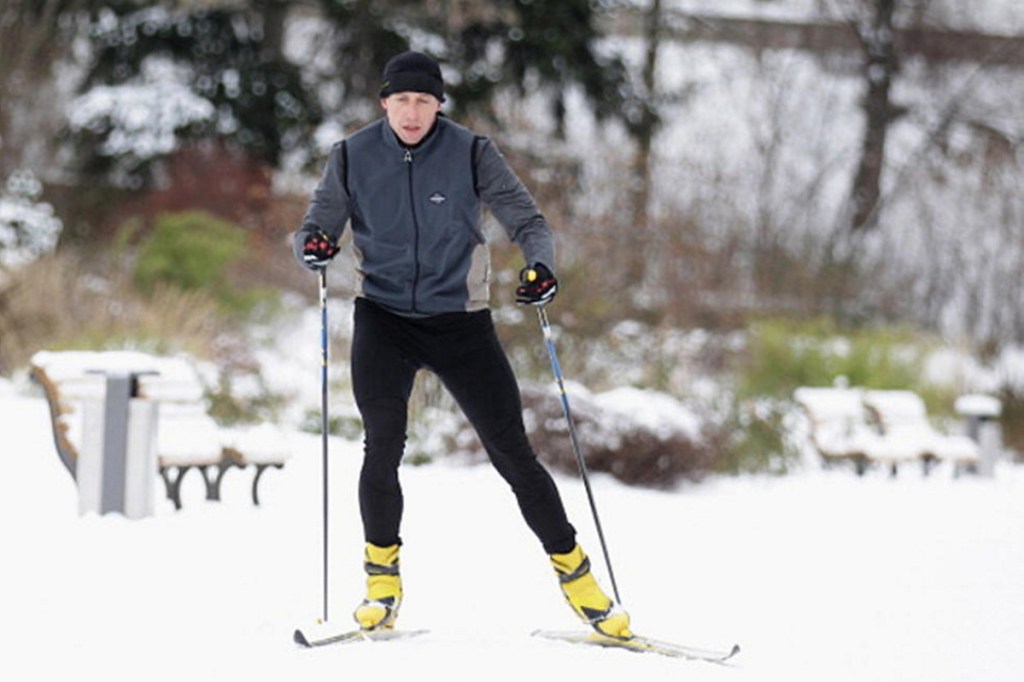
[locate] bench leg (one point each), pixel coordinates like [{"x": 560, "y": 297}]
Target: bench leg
[
  {"x": 260, "y": 468},
  {"x": 173, "y": 485},
  {"x": 211, "y": 482},
  {"x": 213, "y": 474}
]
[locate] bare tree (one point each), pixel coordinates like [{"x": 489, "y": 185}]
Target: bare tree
[
  {"x": 33, "y": 35},
  {"x": 642, "y": 122},
  {"x": 881, "y": 65}
]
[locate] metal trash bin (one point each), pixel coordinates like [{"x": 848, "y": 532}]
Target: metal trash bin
[
  {"x": 981, "y": 423},
  {"x": 116, "y": 469}
]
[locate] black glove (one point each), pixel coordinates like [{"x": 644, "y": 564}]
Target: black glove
[
  {"x": 537, "y": 285},
  {"x": 318, "y": 250}
]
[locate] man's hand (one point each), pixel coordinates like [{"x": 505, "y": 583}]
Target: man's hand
[
  {"x": 318, "y": 250},
  {"x": 537, "y": 285}
]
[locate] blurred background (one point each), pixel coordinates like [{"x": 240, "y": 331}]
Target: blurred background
[{"x": 749, "y": 196}]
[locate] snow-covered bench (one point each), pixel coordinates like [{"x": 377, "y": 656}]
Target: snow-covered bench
[
  {"x": 187, "y": 437},
  {"x": 903, "y": 418},
  {"x": 840, "y": 430},
  {"x": 879, "y": 427}
]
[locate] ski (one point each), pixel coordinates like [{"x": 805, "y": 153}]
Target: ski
[
  {"x": 309, "y": 640},
  {"x": 643, "y": 645}
]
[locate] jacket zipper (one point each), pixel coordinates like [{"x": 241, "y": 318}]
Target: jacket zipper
[{"x": 416, "y": 231}]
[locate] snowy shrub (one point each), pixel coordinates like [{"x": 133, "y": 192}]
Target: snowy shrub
[
  {"x": 134, "y": 123},
  {"x": 638, "y": 436},
  {"x": 241, "y": 396},
  {"x": 164, "y": 74},
  {"x": 28, "y": 227},
  {"x": 138, "y": 120},
  {"x": 757, "y": 436}
]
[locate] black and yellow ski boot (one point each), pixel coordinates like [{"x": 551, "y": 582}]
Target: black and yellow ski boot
[
  {"x": 379, "y": 609},
  {"x": 587, "y": 598}
]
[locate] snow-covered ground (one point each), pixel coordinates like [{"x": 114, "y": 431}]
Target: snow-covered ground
[{"x": 818, "y": 575}]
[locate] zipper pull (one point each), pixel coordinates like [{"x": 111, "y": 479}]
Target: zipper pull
[{"x": 408, "y": 156}]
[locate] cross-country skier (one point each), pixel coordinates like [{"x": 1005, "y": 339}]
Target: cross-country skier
[{"x": 412, "y": 184}]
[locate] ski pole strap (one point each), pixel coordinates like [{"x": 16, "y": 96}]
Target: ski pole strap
[{"x": 580, "y": 571}]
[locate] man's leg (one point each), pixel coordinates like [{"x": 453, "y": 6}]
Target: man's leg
[
  {"x": 483, "y": 384},
  {"x": 382, "y": 380},
  {"x": 473, "y": 366}
]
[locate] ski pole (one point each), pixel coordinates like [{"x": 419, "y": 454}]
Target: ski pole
[
  {"x": 324, "y": 425},
  {"x": 545, "y": 327}
]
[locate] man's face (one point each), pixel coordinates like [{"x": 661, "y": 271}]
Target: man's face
[{"x": 411, "y": 114}]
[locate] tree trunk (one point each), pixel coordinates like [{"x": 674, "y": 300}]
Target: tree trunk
[
  {"x": 637, "y": 235},
  {"x": 881, "y": 65},
  {"x": 274, "y": 15}
]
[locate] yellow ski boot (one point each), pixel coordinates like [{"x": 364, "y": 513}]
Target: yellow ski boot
[
  {"x": 383, "y": 589},
  {"x": 586, "y": 597}
]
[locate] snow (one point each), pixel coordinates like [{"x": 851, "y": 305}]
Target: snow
[
  {"x": 662, "y": 414},
  {"x": 141, "y": 118},
  {"x": 818, "y": 575},
  {"x": 979, "y": 406},
  {"x": 28, "y": 227}
]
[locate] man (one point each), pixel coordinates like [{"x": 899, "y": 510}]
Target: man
[{"x": 412, "y": 184}]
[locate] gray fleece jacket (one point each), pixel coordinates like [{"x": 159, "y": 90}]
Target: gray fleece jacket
[{"x": 416, "y": 215}]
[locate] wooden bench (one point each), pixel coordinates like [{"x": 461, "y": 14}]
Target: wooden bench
[
  {"x": 187, "y": 437},
  {"x": 869, "y": 427},
  {"x": 839, "y": 430},
  {"x": 903, "y": 417}
]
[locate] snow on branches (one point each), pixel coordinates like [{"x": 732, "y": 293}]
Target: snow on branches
[
  {"x": 28, "y": 227},
  {"x": 136, "y": 122}
]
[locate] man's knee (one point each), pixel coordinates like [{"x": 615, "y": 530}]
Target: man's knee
[{"x": 384, "y": 426}]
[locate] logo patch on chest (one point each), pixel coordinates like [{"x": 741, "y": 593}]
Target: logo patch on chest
[{"x": 437, "y": 198}]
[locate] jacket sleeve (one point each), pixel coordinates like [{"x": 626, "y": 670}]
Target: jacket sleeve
[
  {"x": 512, "y": 205},
  {"x": 330, "y": 207}
]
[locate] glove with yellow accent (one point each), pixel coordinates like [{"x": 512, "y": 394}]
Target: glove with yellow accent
[{"x": 537, "y": 285}]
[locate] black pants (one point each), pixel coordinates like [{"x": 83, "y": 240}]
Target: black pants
[{"x": 463, "y": 350}]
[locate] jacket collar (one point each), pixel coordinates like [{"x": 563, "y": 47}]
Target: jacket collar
[{"x": 429, "y": 140}]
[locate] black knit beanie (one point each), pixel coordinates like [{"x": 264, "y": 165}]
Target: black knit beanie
[{"x": 413, "y": 72}]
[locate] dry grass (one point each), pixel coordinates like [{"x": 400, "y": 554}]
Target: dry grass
[{"x": 58, "y": 303}]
